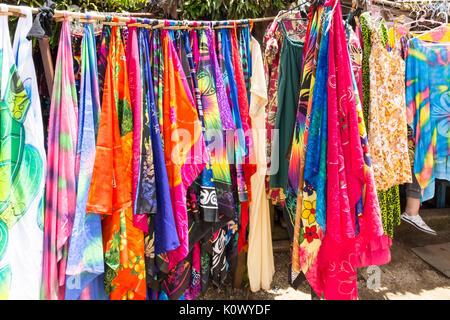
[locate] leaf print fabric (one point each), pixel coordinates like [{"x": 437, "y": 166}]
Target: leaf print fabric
[
  {"x": 22, "y": 166},
  {"x": 25, "y": 252}
]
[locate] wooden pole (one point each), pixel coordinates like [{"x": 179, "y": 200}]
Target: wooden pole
[{"x": 48, "y": 63}]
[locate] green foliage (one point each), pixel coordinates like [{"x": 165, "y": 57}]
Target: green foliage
[
  {"x": 90, "y": 5},
  {"x": 228, "y": 9}
]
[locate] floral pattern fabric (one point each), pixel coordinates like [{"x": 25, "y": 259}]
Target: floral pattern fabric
[{"x": 388, "y": 134}]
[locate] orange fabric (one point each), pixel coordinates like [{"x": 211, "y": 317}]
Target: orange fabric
[{"x": 111, "y": 187}]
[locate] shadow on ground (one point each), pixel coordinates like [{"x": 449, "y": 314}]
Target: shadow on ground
[{"x": 405, "y": 277}]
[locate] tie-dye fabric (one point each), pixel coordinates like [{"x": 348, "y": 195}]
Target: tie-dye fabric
[
  {"x": 60, "y": 191},
  {"x": 184, "y": 159},
  {"x": 308, "y": 232},
  {"x": 205, "y": 183},
  {"x": 85, "y": 257},
  {"x": 240, "y": 149},
  {"x": 213, "y": 126},
  {"x": 428, "y": 111},
  {"x": 310, "y": 217},
  {"x": 249, "y": 166},
  {"x": 22, "y": 166},
  {"x": 222, "y": 98}
]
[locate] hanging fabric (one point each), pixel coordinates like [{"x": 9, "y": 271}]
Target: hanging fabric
[
  {"x": 22, "y": 166},
  {"x": 307, "y": 231},
  {"x": 60, "y": 191},
  {"x": 162, "y": 235},
  {"x": 213, "y": 126},
  {"x": 428, "y": 111},
  {"x": 111, "y": 186},
  {"x": 85, "y": 258},
  {"x": 260, "y": 256},
  {"x": 144, "y": 190},
  {"x": 183, "y": 165},
  {"x": 389, "y": 200}
]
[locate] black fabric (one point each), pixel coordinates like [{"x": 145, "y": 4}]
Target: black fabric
[{"x": 42, "y": 22}]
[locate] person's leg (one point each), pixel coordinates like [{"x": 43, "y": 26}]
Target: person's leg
[{"x": 411, "y": 214}]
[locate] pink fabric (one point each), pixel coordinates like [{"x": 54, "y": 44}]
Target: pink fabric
[
  {"x": 348, "y": 178},
  {"x": 135, "y": 84},
  {"x": 185, "y": 158}
]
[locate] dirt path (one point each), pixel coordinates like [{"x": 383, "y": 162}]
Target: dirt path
[{"x": 405, "y": 277}]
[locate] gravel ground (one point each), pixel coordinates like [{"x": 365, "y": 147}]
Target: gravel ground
[{"x": 405, "y": 277}]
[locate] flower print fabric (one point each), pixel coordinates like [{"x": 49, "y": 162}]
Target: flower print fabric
[
  {"x": 389, "y": 200},
  {"x": 388, "y": 134},
  {"x": 111, "y": 185}
]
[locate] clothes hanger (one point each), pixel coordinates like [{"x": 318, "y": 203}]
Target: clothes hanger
[
  {"x": 301, "y": 6},
  {"x": 289, "y": 11}
]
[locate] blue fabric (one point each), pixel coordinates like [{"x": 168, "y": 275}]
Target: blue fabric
[
  {"x": 85, "y": 257},
  {"x": 315, "y": 172},
  {"x": 166, "y": 238},
  {"x": 229, "y": 79}
]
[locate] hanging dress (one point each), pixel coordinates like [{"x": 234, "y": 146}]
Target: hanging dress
[
  {"x": 273, "y": 43},
  {"x": 22, "y": 166},
  {"x": 428, "y": 111},
  {"x": 388, "y": 134},
  {"x": 260, "y": 261},
  {"x": 289, "y": 77},
  {"x": 389, "y": 200},
  {"x": 292, "y": 86},
  {"x": 85, "y": 258}
]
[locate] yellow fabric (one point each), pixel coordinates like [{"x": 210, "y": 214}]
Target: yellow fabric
[
  {"x": 440, "y": 34},
  {"x": 260, "y": 254}
]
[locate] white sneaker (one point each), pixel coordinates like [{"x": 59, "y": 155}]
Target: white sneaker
[{"x": 417, "y": 222}]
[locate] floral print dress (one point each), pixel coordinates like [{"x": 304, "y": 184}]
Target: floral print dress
[{"x": 388, "y": 134}]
